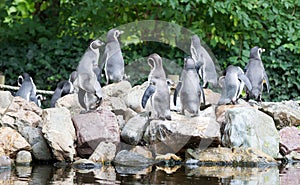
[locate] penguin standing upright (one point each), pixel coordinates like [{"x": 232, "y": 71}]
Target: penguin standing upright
[
  {"x": 27, "y": 88},
  {"x": 158, "y": 90},
  {"x": 112, "y": 58},
  {"x": 189, "y": 88},
  {"x": 256, "y": 73},
  {"x": 86, "y": 83},
  {"x": 204, "y": 63},
  {"x": 232, "y": 84}
]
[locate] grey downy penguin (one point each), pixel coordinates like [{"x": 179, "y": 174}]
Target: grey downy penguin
[
  {"x": 256, "y": 73},
  {"x": 27, "y": 88},
  {"x": 112, "y": 59},
  {"x": 157, "y": 91},
  {"x": 232, "y": 85},
  {"x": 204, "y": 63},
  {"x": 63, "y": 88},
  {"x": 86, "y": 83},
  {"x": 189, "y": 88}
]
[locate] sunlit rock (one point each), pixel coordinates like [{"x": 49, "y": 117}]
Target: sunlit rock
[
  {"x": 130, "y": 158},
  {"x": 133, "y": 131},
  {"x": 12, "y": 142},
  {"x": 5, "y": 100},
  {"x": 284, "y": 114},
  {"x": 119, "y": 89},
  {"x": 211, "y": 97},
  {"x": 23, "y": 157},
  {"x": 248, "y": 127},
  {"x": 105, "y": 152},
  {"x": 289, "y": 140},
  {"x": 69, "y": 101},
  {"x": 133, "y": 99},
  {"x": 22, "y": 113},
  {"x": 171, "y": 136},
  {"x": 93, "y": 128},
  {"x": 59, "y": 132}
]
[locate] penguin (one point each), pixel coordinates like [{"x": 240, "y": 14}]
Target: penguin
[
  {"x": 256, "y": 73},
  {"x": 158, "y": 90},
  {"x": 232, "y": 85},
  {"x": 204, "y": 63},
  {"x": 87, "y": 84},
  {"x": 27, "y": 88},
  {"x": 112, "y": 59},
  {"x": 189, "y": 88}
]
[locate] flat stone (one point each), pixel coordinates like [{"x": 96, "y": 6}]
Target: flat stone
[{"x": 289, "y": 140}]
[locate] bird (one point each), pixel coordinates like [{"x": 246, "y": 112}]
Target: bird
[
  {"x": 157, "y": 90},
  {"x": 27, "y": 88},
  {"x": 256, "y": 73},
  {"x": 87, "y": 84},
  {"x": 232, "y": 85},
  {"x": 112, "y": 59},
  {"x": 189, "y": 88},
  {"x": 204, "y": 63}
]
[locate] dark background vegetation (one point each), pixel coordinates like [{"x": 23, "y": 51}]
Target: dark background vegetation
[{"x": 47, "y": 38}]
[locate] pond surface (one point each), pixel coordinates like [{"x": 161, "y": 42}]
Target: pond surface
[{"x": 214, "y": 175}]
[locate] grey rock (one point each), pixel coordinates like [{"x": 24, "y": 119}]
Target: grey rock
[
  {"x": 248, "y": 127},
  {"x": 5, "y": 101},
  {"x": 69, "y": 101},
  {"x": 5, "y": 161},
  {"x": 129, "y": 158},
  {"x": 105, "y": 152},
  {"x": 85, "y": 164},
  {"x": 93, "y": 128},
  {"x": 133, "y": 170},
  {"x": 289, "y": 140},
  {"x": 39, "y": 145},
  {"x": 134, "y": 129},
  {"x": 24, "y": 157},
  {"x": 284, "y": 114},
  {"x": 114, "y": 103},
  {"x": 59, "y": 132}
]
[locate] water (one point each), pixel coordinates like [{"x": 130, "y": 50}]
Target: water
[{"x": 213, "y": 175}]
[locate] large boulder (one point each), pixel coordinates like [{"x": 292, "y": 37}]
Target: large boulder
[
  {"x": 39, "y": 145},
  {"x": 289, "y": 140},
  {"x": 283, "y": 113},
  {"x": 134, "y": 97},
  {"x": 69, "y": 101},
  {"x": 59, "y": 132},
  {"x": 22, "y": 113},
  {"x": 131, "y": 158},
  {"x": 5, "y": 100},
  {"x": 249, "y": 127},
  {"x": 93, "y": 128},
  {"x": 119, "y": 89},
  {"x": 171, "y": 136},
  {"x": 11, "y": 142},
  {"x": 134, "y": 129},
  {"x": 105, "y": 152}
]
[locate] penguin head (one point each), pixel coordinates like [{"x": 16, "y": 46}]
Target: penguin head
[
  {"x": 96, "y": 44},
  {"x": 189, "y": 63},
  {"x": 256, "y": 52},
  {"x": 154, "y": 60},
  {"x": 113, "y": 35}
]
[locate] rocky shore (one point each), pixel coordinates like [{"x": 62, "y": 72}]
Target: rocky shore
[{"x": 121, "y": 132}]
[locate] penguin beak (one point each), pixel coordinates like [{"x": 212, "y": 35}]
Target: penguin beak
[
  {"x": 121, "y": 32},
  {"x": 263, "y": 50}
]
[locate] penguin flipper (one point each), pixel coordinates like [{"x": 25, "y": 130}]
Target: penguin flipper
[
  {"x": 267, "y": 81},
  {"x": 202, "y": 92},
  {"x": 245, "y": 79},
  {"x": 147, "y": 94},
  {"x": 177, "y": 89}
]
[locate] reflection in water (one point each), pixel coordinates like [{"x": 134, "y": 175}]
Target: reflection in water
[{"x": 215, "y": 175}]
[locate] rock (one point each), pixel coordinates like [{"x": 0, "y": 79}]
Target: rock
[
  {"x": 105, "y": 175},
  {"x": 12, "y": 142},
  {"x": 171, "y": 136},
  {"x": 93, "y": 128},
  {"x": 114, "y": 103},
  {"x": 133, "y": 170},
  {"x": 289, "y": 140},
  {"x": 282, "y": 113},
  {"x": 142, "y": 151},
  {"x": 22, "y": 113},
  {"x": 134, "y": 129},
  {"x": 23, "y": 157},
  {"x": 221, "y": 110},
  {"x": 248, "y": 127},
  {"x": 129, "y": 113},
  {"x": 293, "y": 156},
  {"x": 211, "y": 97},
  {"x": 5, "y": 101},
  {"x": 105, "y": 152},
  {"x": 237, "y": 156},
  {"x": 85, "y": 164},
  {"x": 39, "y": 145},
  {"x": 23, "y": 171},
  {"x": 59, "y": 132},
  {"x": 133, "y": 99},
  {"x": 289, "y": 175},
  {"x": 129, "y": 158},
  {"x": 119, "y": 89},
  {"x": 5, "y": 161},
  {"x": 167, "y": 157},
  {"x": 69, "y": 101}
]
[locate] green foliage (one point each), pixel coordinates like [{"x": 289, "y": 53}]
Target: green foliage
[{"x": 47, "y": 38}]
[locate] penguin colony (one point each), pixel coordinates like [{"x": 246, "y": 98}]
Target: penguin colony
[{"x": 85, "y": 81}]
